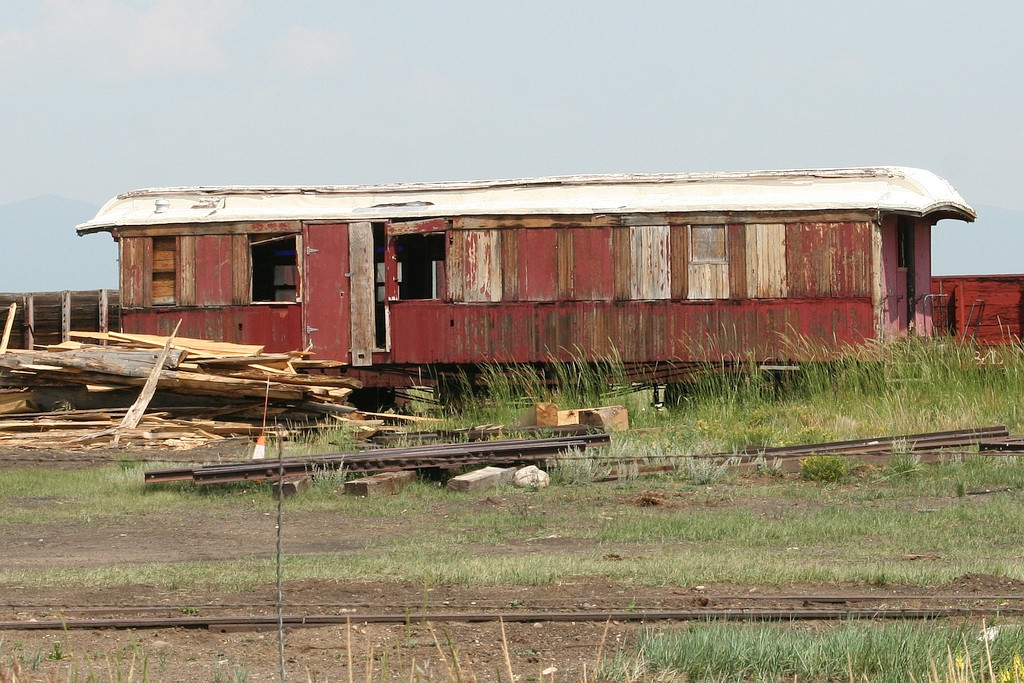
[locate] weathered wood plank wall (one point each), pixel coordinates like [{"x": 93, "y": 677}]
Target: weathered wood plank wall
[{"x": 48, "y": 314}]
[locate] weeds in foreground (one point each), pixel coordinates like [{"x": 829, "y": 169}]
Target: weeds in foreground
[
  {"x": 827, "y": 469},
  {"x": 934, "y": 652},
  {"x": 701, "y": 651}
]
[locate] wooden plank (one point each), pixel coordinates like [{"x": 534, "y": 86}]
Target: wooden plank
[
  {"x": 591, "y": 264},
  {"x": 766, "y": 260},
  {"x": 679, "y": 256},
  {"x": 196, "y": 347},
  {"x": 138, "y": 408},
  {"x": 103, "y": 309},
  {"x": 527, "y": 222},
  {"x": 383, "y": 484},
  {"x": 565, "y": 262},
  {"x": 362, "y": 286},
  {"x": 455, "y": 265},
  {"x": 482, "y": 266},
  {"x": 241, "y": 270},
  {"x": 30, "y": 321},
  {"x": 65, "y": 315},
  {"x": 537, "y": 265},
  {"x": 622, "y": 264},
  {"x": 539, "y": 415},
  {"x": 483, "y": 478},
  {"x": 510, "y": 253},
  {"x": 421, "y": 226},
  {"x": 186, "y": 275},
  {"x": 290, "y": 486},
  {"x": 196, "y": 229},
  {"x": 607, "y": 418},
  {"x": 133, "y": 271},
  {"x": 650, "y": 269},
  {"x": 12, "y": 402},
  {"x": 213, "y": 270},
  {"x": 8, "y": 326},
  {"x": 736, "y": 255}
]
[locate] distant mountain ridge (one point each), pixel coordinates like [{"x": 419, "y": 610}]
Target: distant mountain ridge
[{"x": 41, "y": 251}]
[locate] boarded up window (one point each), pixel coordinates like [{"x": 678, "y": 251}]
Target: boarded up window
[
  {"x": 164, "y": 253},
  {"x": 829, "y": 259},
  {"x": 135, "y": 280},
  {"x": 708, "y": 271},
  {"x": 213, "y": 270},
  {"x": 707, "y": 244},
  {"x": 650, "y": 271},
  {"x": 537, "y": 264},
  {"x": 766, "y": 260},
  {"x": 483, "y": 265},
  {"x": 588, "y": 262}
]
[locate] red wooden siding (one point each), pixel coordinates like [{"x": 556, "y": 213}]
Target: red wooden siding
[
  {"x": 829, "y": 259},
  {"x": 985, "y": 308},
  {"x": 589, "y": 264},
  {"x": 432, "y": 332},
  {"x": 135, "y": 271},
  {"x": 213, "y": 270},
  {"x": 277, "y": 327},
  {"x": 537, "y": 265}
]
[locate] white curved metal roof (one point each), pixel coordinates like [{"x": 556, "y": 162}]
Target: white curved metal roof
[{"x": 887, "y": 189}]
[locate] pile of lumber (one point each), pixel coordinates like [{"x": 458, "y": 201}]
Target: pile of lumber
[{"x": 198, "y": 389}]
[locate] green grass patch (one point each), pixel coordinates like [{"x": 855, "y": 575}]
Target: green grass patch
[{"x": 881, "y": 653}]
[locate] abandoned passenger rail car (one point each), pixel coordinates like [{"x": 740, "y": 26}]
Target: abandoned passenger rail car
[{"x": 649, "y": 269}]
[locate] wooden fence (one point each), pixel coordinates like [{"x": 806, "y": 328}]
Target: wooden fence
[{"x": 43, "y": 318}]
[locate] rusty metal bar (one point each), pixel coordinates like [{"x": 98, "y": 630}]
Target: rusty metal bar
[
  {"x": 439, "y": 455},
  {"x": 962, "y": 437}
]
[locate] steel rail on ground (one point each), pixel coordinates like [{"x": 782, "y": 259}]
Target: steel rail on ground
[
  {"x": 434, "y": 455},
  {"x": 261, "y": 622}
]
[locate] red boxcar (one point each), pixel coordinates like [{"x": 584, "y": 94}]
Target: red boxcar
[
  {"x": 985, "y": 309},
  {"x": 654, "y": 270}
]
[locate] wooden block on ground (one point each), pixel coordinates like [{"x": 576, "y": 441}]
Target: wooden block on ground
[
  {"x": 567, "y": 417},
  {"x": 483, "y": 478},
  {"x": 540, "y": 415},
  {"x": 383, "y": 484},
  {"x": 609, "y": 418},
  {"x": 289, "y": 487}
]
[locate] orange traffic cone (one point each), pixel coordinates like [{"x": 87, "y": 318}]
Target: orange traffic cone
[{"x": 260, "y": 451}]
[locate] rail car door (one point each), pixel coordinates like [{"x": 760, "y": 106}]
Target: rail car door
[
  {"x": 338, "y": 291},
  {"x": 325, "y": 290}
]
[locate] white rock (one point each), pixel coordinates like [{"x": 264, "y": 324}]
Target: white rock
[{"x": 531, "y": 477}]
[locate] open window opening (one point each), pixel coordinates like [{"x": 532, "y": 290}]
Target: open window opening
[
  {"x": 379, "y": 287},
  {"x": 164, "y": 270},
  {"x": 274, "y": 268},
  {"x": 904, "y": 241},
  {"x": 421, "y": 273}
]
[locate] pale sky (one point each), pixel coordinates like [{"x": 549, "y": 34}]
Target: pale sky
[{"x": 103, "y": 96}]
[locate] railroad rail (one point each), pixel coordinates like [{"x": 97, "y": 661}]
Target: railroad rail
[
  {"x": 700, "y": 598},
  {"x": 261, "y": 622},
  {"x": 442, "y": 456}
]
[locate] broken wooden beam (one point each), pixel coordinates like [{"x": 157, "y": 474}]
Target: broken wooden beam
[
  {"x": 483, "y": 478},
  {"x": 383, "y": 484}
]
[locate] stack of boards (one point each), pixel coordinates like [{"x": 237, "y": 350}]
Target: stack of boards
[{"x": 87, "y": 392}]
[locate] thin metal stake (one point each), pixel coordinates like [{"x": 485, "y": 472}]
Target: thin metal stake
[{"x": 280, "y": 519}]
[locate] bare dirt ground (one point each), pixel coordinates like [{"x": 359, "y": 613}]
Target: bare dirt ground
[{"x": 548, "y": 650}]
